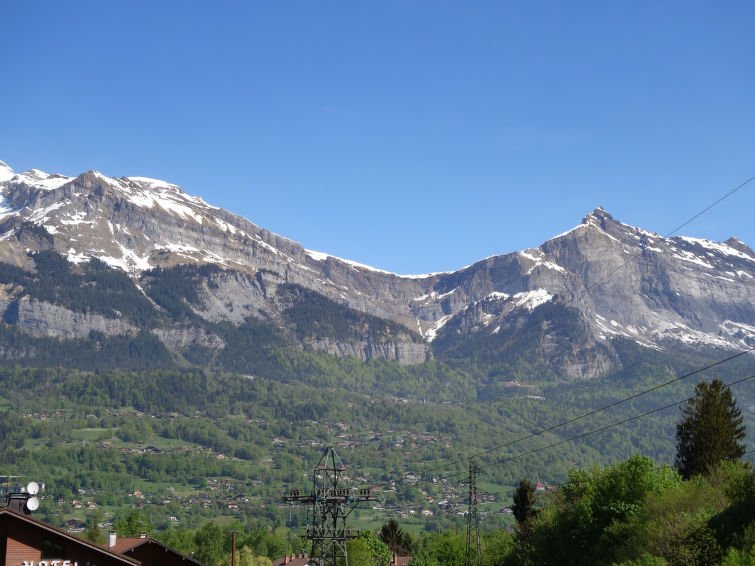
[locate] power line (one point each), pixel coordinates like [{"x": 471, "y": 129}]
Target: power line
[
  {"x": 595, "y": 411},
  {"x": 610, "y": 273},
  {"x": 634, "y": 256},
  {"x": 604, "y": 428},
  {"x": 707, "y": 208}
]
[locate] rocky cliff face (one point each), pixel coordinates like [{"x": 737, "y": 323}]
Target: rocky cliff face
[
  {"x": 42, "y": 319},
  {"x": 626, "y": 282},
  {"x": 621, "y": 280}
]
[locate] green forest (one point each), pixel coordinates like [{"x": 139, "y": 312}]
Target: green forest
[{"x": 191, "y": 450}]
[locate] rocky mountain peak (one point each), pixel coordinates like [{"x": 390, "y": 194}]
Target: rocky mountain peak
[
  {"x": 93, "y": 182},
  {"x": 740, "y": 246},
  {"x": 599, "y": 217}
]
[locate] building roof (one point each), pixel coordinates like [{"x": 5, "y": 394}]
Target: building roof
[
  {"x": 294, "y": 560},
  {"x": 126, "y": 544},
  {"x": 31, "y": 521}
]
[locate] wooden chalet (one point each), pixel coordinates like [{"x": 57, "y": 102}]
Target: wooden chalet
[{"x": 26, "y": 541}]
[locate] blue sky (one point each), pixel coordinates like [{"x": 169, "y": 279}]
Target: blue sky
[{"x": 411, "y": 136}]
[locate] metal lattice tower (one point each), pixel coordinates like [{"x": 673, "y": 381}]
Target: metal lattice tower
[
  {"x": 331, "y": 505},
  {"x": 473, "y": 520}
]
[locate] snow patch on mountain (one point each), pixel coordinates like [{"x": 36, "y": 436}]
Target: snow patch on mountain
[
  {"x": 691, "y": 257},
  {"x": 532, "y": 299},
  {"x": 717, "y": 247},
  {"x": 164, "y": 201},
  {"x": 74, "y": 219},
  {"x": 6, "y": 172},
  {"x": 5, "y": 209},
  {"x": 539, "y": 258},
  {"x": 433, "y": 296},
  {"x": 496, "y": 296},
  {"x": 225, "y": 227},
  {"x": 42, "y": 214},
  {"x": 192, "y": 252},
  {"x": 129, "y": 261},
  {"x": 317, "y": 256},
  {"x": 152, "y": 183},
  {"x": 34, "y": 177},
  {"x": 320, "y": 256},
  {"x": 432, "y": 332}
]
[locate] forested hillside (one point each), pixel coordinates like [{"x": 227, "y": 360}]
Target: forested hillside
[{"x": 188, "y": 430}]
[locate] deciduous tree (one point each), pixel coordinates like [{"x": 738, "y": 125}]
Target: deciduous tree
[{"x": 368, "y": 550}]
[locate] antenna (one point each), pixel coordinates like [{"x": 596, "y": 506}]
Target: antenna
[{"x": 24, "y": 500}]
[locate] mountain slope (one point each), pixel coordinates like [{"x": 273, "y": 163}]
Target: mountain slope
[{"x": 572, "y": 295}]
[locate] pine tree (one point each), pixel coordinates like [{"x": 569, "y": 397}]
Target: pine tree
[
  {"x": 524, "y": 502},
  {"x": 395, "y": 538},
  {"x": 710, "y": 431}
]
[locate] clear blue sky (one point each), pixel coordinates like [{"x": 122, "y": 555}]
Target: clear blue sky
[{"x": 411, "y": 136}]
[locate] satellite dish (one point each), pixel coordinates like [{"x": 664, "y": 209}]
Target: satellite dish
[
  {"x": 32, "y": 504},
  {"x": 32, "y": 488}
]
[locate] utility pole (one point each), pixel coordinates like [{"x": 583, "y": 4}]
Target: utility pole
[
  {"x": 473, "y": 519},
  {"x": 331, "y": 505}
]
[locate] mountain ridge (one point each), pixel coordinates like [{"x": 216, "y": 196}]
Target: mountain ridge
[{"x": 622, "y": 280}]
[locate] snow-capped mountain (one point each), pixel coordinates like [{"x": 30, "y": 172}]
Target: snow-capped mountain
[{"x": 621, "y": 281}]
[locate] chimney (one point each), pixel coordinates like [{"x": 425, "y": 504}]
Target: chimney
[
  {"x": 142, "y": 535},
  {"x": 112, "y": 537}
]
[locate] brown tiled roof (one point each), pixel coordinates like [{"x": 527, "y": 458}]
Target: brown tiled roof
[{"x": 124, "y": 544}]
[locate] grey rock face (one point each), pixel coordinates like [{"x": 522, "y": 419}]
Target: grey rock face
[
  {"x": 43, "y": 319},
  {"x": 185, "y": 338},
  {"x": 403, "y": 352},
  {"x": 233, "y": 296}
]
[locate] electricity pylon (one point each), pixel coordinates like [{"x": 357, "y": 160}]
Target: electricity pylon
[
  {"x": 331, "y": 505},
  {"x": 473, "y": 521}
]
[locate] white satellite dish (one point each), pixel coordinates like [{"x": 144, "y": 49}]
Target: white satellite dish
[
  {"x": 32, "y": 504},
  {"x": 32, "y": 488}
]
